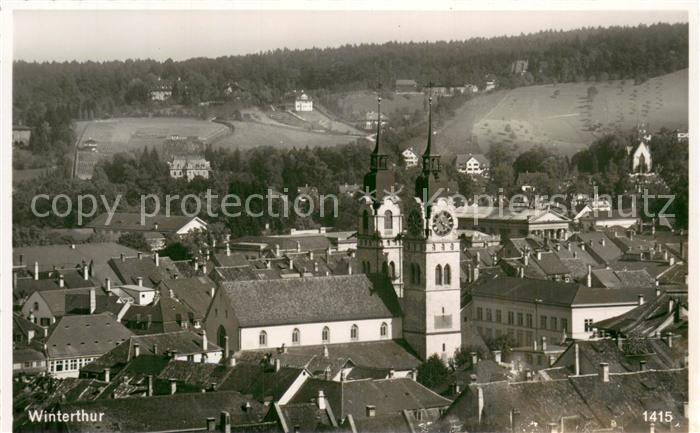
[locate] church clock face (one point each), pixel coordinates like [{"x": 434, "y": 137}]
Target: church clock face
[
  {"x": 415, "y": 222},
  {"x": 443, "y": 223}
]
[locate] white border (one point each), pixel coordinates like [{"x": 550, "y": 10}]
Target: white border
[{"x": 6, "y": 46}]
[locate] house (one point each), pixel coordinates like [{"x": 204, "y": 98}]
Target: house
[
  {"x": 162, "y": 91},
  {"x": 590, "y": 218},
  {"x": 527, "y": 309},
  {"x": 45, "y": 307},
  {"x": 27, "y": 355},
  {"x": 349, "y": 189},
  {"x": 89, "y": 145},
  {"x": 189, "y": 168},
  {"x": 518, "y": 67},
  {"x": 371, "y": 120},
  {"x": 406, "y": 86},
  {"x": 374, "y": 398},
  {"x": 75, "y": 341},
  {"x": 410, "y": 157},
  {"x": 123, "y": 222},
  {"x": 304, "y": 311},
  {"x": 21, "y": 135},
  {"x": 303, "y": 103},
  {"x": 490, "y": 84},
  {"x": 474, "y": 164},
  {"x": 143, "y": 270}
]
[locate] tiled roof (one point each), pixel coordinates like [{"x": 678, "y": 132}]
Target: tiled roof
[
  {"x": 549, "y": 263},
  {"x": 261, "y": 380},
  {"x": 289, "y": 242},
  {"x": 306, "y": 300},
  {"x": 195, "y": 292},
  {"x": 184, "y": 411},
  {"x": 129, "y": 269},
  {"x": 648, "y": 317},
  {"x": 388, "y": 395},
  {"x": 525, "y": 289},
  {"x": 85, "y": 335}
]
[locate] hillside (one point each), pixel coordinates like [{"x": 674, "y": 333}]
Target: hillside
[{"x": 563, "y": 116}]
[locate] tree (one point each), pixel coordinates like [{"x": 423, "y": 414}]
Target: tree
[
  {"x": 463, "y": 355},
  {"x": 134, "y": 240},
  {"x": 433, "y": 371}
]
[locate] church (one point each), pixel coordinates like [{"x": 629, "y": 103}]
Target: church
[{"x": 405, "y": 286}]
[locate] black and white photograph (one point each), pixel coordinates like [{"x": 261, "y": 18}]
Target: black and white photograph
[{"x": 316, "y": 216}]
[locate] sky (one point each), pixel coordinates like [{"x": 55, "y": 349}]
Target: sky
[{"x": 63, "y": 35}]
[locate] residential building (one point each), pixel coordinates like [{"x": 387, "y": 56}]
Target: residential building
[
  {"x": 189, "y": 167},
  {"x": 162, "y": 91},
  {"x": 410, "y": 158},
  {"x": 529, "y": 309},
  {"x": 74, "y": 341},
  {"x": 122, "y": 222},
  {"x": 474, "y": 164},
  {"x": 509, "y": 223},
  {"x": 641, "y": 158},
  {"x": 371, "y": 120},
  {"x": 519, "y": 67},
  {"x": 21, "y": 135},
  {"x": 303, "y": 103}
]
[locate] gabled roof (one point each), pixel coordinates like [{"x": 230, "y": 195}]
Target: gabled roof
[
  {"x": 479, "y": 157},
  {"x": 308, "y": 300},
  {"x": 85, "y": 335},
  {"x": 261, "y": 381},
  {"x": 649, "y": 317},
  {"x": 387, "y": 395},
  {"x": 129, "y": 269},
  {"x": 527, "y": 290},
  {"x": 195, "y": 292}
]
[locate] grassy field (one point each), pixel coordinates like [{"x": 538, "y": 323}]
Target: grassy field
[
  {"x": 248, "y": 135},
  {"x": 563, "y": 116},
  {"x": 355, "y": 105}
]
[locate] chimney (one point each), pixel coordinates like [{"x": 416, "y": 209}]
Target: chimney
[
  {"x": 86, "y": 273},
  {"x": 204, "y": 268},
  {"x": 61, "y": 281},
  {"x": 226, "y": 347},
  {"x": 278, "y": 364},
  {"x": 480, "y": 402},
  {"x": 139, "y": 255},
  {"x": 156, "y": 258},
  {"x": 107, "y": 372},
  {"x": 539, "y": 255},
  {"x": 669, "y": 339},
  {"x": 311, "y": 255},
  {"x": 298, "y": 246},
  {"x": 552, "y": 427},
  {"x": 173, "y": 386},
  {"x": 544, "y": 343},
  {"x": 589, "y": 276},
  {"x": 658, "y": 289},
  {"x": 155, "y": 348},
  {"x": 121, "y": 257},
  {"x": 414, "y": 374},
  {"x": 277, "y": 250},
  {"x": 196, "y": 265},
  {"x": 137, "y": 350},
  {"x": 642, "y": 365},
  {"x": 93, "y": 301},
  {"x": 149, "y": 379},
  {"x": 474, "y": 357},
  {"x": 325, "y": 351},
  {"x": 630, "y": 234},
  {"x": 392, "y": 372},
  {"x": 225, "y": 422},
  {"x": 349, "y": 268},
  {"x": 577, "y": 365},
  {"x": 211, "y": 423},
  {"x": 228, "y": 249},
  {"x": 268, "y": 264},
  {"x": 315, "y": 266},
  {"x": 321, "y": 400},
  {"x": 155, "y": 226},
  {"x": 671, "y": 261},
  {"x": 534, "y": 344},
  {"x": 497, "y": 356},
  {"x": 231, "y": 361},
  {"x": 476, "y": 273},
  {"x": 370, "y": 410},
  {"x": 108, "y": 286},
  {"x": 477, "y": 258},
  {"x": 140, "y": 281},
  {"x": 205, "y": 343},
  {"x": 526, "y": 258},
  {"x": 682, "y": 250},
  {"x": 605, "y": 372},
  {"x": 602, "y": 242},
  {"x": 30, "y": 335},
  {"x": 640, "y": 299},
  {"x": 514, "y": 419},
  {"x": 36, "y": 271}
]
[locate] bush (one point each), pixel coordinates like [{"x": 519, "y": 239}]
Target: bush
[{"x": 432, "y": 372}]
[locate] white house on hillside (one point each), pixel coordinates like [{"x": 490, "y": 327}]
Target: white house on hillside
[
  {"x": 303, "y": 103},
  {"x": 473, "y": 163},
  {"x": 409, "y": 157}
]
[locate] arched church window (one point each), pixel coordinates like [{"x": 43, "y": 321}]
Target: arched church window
[
  {"x": 388, "y": 220},
  {"x": 262, "y": 339},
  {"x": 438, "y": 275},
  {"x": 326, "y": 334},
  {"x": 383, "y": 330},
  {"x": 295, "y": 336},
  {"x": 417, "y": 274},
  {"x": 392, "y": 270},
  {"x": 353, "y": 332},
  {"x": 447, "y": 275}
]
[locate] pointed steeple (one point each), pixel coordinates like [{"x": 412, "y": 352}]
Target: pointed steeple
[
  {"x": 430, "y": 180},
  {"x": 380, "y": 179}
]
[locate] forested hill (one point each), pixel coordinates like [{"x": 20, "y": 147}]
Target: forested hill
[{"x": 585, "y": 54}]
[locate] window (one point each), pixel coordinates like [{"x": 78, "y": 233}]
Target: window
[
  {"x": 388, "y": 220},
  {"x": 479, "y": 313},
  {"x": 73, "y": 364},
  {"x": 44, "y": 321},
  {"x": 365, "y": 220},
  {"x": 36, "y": 306},
  {"x": 262, "y": 339},
  {"x": 543, "y": 322},
  {"x": 447, "y": 275},
  {"x": 511, "y": 317},
  {"x": 392, "y": 270},
  {"x": 295, "y": 336},
  {"x": 488, "y": 315},
  {"x": 564, "y": 324},
  {"x": 520, "y": 319},
  {"x": 498, "y": 316},
  {"x": 528, "y": 320},
  {"x": 384, "y": 330},
  {"x": 438, "y": 275},
  {"x": 588, "y": 325},
  {"x": 553, "y": 323},
  {"x": 353, "y": 332},
  {"x": 326, "y": 334}
]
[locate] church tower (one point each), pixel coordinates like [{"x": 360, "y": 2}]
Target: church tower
[
  {"x": 379, "y": 246},
  {"x": 431, "y": 303}
]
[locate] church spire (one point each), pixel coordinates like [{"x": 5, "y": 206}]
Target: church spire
[
  {"x": 430, "y": 124},
  {"x": 430, "y": 180},
  {"x": 379, "y": 124},
  {"x": 380, "y": 179}
]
